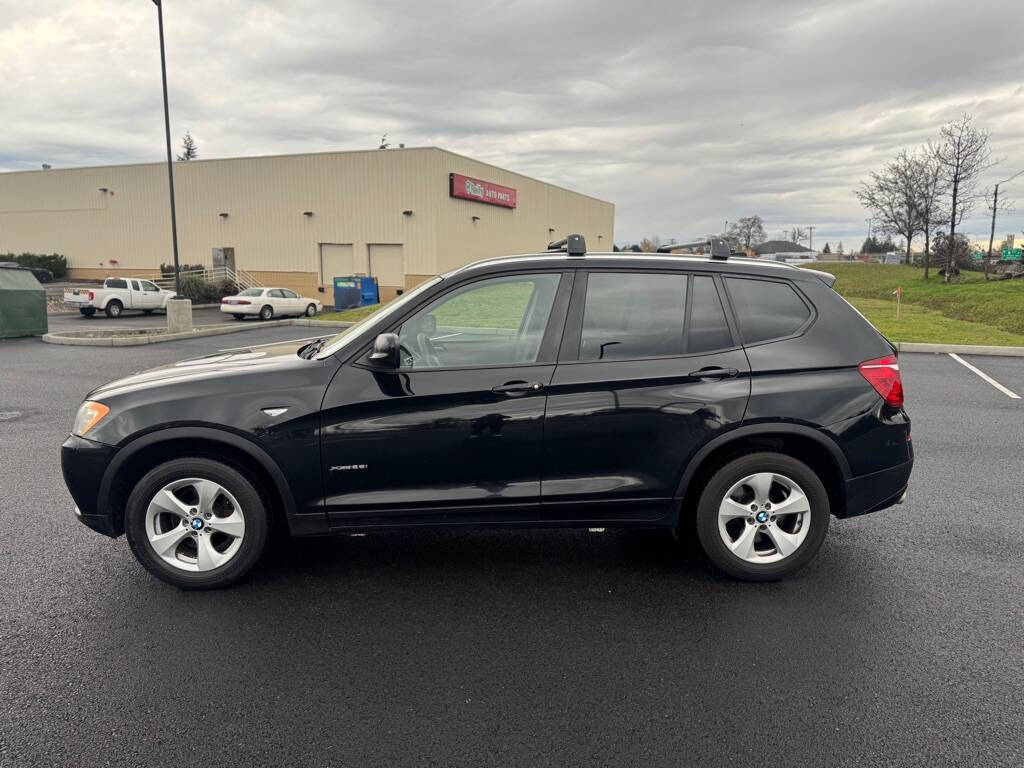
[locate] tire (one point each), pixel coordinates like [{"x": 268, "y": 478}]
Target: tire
[
  {"x": 147, "y": 311},
  {"x": 114, "y": 308},
  {"x": 236, "y": 503},
  {"x": 267, "y": 312},
  {"x": 87, "y": 311},
  {"x": 759, "y": 540},
  {"x": 237, "y": 316},
  {"x": 311, "y": 310}
]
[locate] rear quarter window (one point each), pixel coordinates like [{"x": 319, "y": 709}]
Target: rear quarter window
[
  {"x": 116, "y": 283},
  {"x": 766, "y": 309}
]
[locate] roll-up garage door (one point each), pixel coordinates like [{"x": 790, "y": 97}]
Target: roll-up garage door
[
  {"x": 336, "y": 260},
  {"x": 387, "y": 264}
]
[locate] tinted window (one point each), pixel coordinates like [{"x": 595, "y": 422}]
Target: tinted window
[
  {"x": 766, "y": 310},
  {"x": 499, "y": 321},
  {"x": 289, "y": 294},
  {"x": 630, "y": 315},
  {"x": 708, "y": 327},
  {"x": 135, "y": 285},
  {"x": 116, "y": 282}
]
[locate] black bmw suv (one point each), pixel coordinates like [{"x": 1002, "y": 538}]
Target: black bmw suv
[{"x": 740, "y": 399}]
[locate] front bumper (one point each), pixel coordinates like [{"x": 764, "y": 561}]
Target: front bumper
[
  {"x": 83, "y": 463},
  {"x": 878, "y": 490}
]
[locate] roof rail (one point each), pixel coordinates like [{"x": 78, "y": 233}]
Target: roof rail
[
  {"x": 719, "y": 247},
  {"x": 573, "y": 245}
]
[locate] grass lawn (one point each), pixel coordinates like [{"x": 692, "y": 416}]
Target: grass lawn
[{"x": 971, "y": 311}]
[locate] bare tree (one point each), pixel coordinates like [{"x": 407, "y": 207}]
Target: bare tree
[
  {"x": 962, "y": 154},
  {"x": 931, "y": 195},
  {"x": 650, "y": 245},
  {"x": 746, "y": 232},
  {"x": 892, "y": 196},
  {"x": 798, "y": 235}
]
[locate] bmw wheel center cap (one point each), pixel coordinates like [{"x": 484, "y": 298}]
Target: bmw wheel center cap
[
  {"x": 762, "y": 516},
  {"x": 197, "y": 523}
]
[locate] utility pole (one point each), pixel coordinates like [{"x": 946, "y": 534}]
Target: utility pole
[
  {"x": 810, "y": 233},
  {"x": 167, "y": 133},
  {"x": 995, "y": 207},
  {"x": 869, "y": 228}
]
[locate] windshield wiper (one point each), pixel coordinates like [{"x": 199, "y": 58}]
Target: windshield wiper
[{"x": 312, "y": 348}]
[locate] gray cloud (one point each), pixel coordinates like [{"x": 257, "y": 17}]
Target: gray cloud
[{"x": 683, "y": 114}]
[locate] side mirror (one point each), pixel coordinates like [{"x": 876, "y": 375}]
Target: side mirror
[{"x": 386, "y": 352}]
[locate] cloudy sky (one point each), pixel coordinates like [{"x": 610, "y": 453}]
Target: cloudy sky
[{"x": 684, "y": 114}]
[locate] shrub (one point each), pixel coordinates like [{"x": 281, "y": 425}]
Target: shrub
[
  {"x": 226, "y": 288},
  {"x": 55, "y": 262},
  {"x": 200, "y": 291}
]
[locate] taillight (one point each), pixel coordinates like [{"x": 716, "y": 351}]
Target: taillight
[
  {"x": 883, "y": 374},
  {"x": 91, "y": 295},
  {"x": 243, "y": 301}
]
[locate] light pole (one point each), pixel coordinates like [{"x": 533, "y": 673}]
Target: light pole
[
  {"x": 167, "y": 134},
  {"x": 995, "y": 207},
  {"x": 810, "y": 231}
]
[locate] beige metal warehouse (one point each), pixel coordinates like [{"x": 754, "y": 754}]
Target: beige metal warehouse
[{"x": 400, "y": 215}]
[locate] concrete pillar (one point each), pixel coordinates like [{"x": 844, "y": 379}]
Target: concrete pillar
[{"x": 179, "y": 315}]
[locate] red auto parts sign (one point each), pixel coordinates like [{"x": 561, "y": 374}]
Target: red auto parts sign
[{"x": 467, "y": 188}]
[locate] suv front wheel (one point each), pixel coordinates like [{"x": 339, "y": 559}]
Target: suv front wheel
[
  {"x": 196, "y": 523},
  {"x": 763, "y": 516}
]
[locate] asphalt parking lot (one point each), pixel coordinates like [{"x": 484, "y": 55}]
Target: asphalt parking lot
[{"x": 902, "y": 644}]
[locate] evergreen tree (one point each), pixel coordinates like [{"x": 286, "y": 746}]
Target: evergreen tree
[
  {"x": 826, "y": 249},
  {"x": 191, "y": 148}
]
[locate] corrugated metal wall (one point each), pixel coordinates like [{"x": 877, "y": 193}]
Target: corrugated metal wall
[{"x": 354, "y": 197}]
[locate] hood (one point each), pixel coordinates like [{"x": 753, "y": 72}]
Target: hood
[{"x": 217, "y": 365}]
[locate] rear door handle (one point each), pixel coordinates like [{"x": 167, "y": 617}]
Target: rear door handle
[
  {"x": 517, "y": 388},
  {"x": 715, "y": 373}
]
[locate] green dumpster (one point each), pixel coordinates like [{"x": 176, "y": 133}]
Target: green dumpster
[{"x": 22, "y": 304}]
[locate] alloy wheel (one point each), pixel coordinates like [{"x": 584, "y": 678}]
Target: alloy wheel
[
  {"x": 194, "y": 524},
  {"x": 764, "y": 518}
]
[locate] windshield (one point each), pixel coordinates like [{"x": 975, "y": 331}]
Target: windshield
[
  {"x": 251, "y": 292},
  {"x": 337, "y": 342}
]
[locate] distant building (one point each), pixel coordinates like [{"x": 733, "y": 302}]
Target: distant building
[{"x": 297, "y": 221}]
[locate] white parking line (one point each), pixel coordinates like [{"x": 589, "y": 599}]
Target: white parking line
[
  {"x": 986, "y": 377},
  {"x": 271, "y": 344}
]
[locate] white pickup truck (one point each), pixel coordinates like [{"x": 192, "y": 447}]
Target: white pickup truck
[{"x": 117, "y": 295}]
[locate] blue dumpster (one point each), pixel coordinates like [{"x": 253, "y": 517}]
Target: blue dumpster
[
  {"x": 368, "y": 293},
  {"x": 347, "y": 293}
]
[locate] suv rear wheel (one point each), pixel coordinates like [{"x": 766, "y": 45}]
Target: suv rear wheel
[
  {"x": 763, "y": 516},
  {"x": 196, "y": 523}
]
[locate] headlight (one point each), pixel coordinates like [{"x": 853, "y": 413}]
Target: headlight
[{"x": 89, "y": 415}]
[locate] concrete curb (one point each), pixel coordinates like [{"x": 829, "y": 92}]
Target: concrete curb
[
  {"x": 959, "y": 349},
  {"x": 75, "y": 339}
]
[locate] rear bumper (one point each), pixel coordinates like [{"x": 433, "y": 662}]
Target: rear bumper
[
  {"x": 240, "y": 309},
  {"x": 871, "y": 493},
  {"x": 83, "y": 463}
]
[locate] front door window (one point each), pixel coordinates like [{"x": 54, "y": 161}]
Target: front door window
[{"x": 500, "y": 321}]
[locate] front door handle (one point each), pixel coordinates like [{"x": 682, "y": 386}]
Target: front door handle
[
  {"x": 517, "y": 388},
  {"x": 711, "y": 374}
]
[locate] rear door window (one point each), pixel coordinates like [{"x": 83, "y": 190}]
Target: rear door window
[
  {"x": 135, "y": 285},
  {"x": 766, "y": 309},
  {"x": 628, "y": 315},
  {"x": 709, "y": 330}
]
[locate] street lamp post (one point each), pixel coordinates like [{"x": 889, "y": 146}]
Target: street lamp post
[{"x": 167, "y": 134}]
